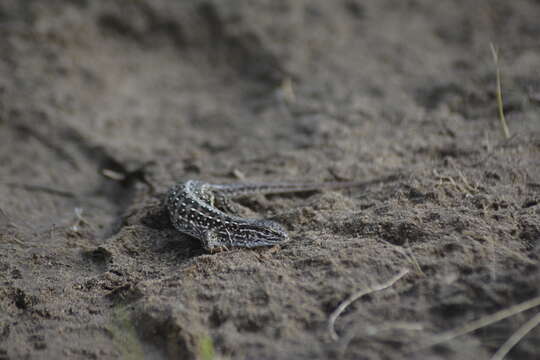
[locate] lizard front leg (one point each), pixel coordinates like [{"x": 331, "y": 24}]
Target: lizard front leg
[{"x": 212, "y": 243}]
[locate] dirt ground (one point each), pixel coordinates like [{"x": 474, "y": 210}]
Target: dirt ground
[{"x": 105, "y": 104}]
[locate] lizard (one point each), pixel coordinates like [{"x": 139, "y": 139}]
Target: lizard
[{"x": 200, "y": 209}]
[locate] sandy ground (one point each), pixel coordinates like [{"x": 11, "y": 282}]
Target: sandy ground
[{"x": 105, "y": 104}]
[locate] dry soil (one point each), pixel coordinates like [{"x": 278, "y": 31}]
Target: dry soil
[{"x": 105, "y": 104}]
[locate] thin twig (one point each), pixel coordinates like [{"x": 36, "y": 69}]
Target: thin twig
[
  {"x": 502, "y": 118},
  {"x": 462, "y": 177},
  {"x": 451, "y": 181},
  {"x": 516, "y": 337},
  {"x": 480, "y": 323},
  {"x": 41, "y": 188},
  {"x": 358, "y": 295},
  {"x": 406, "y": 252}
]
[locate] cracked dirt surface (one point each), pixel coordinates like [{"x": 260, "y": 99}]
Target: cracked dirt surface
[{"x": 105, "y": 104}]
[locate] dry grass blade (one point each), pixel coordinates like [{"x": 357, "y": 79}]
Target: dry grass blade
[
  {"x": 480, "y": 323},
  {"x": 358, "y": 295},
  {"x": 502, "y": 118},
  {"x": 516, "y": 337}
]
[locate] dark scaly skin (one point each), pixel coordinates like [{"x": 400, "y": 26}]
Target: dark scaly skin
[
  {"x": 192, "y": 211},
  {"x": 192, "y": 208}
]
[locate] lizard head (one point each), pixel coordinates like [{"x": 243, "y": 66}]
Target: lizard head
[
  {"x": 255, "y": 233},
  {"x": 263, "y": 233}
]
